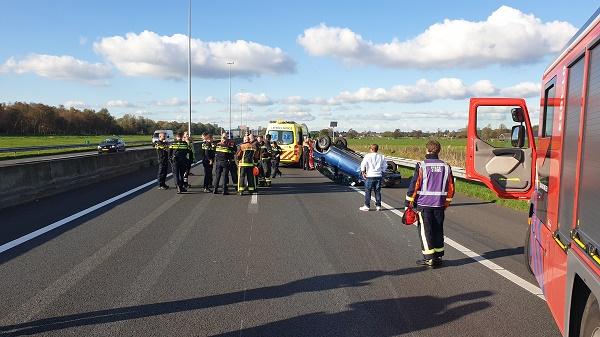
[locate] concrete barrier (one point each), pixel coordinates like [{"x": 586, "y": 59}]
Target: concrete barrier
[{"x": 25, "y": 182}]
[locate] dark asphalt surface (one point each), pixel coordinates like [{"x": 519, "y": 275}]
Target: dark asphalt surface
[
  {"x": 9, "y": 162},
  {"x": 302, "y": 261}
]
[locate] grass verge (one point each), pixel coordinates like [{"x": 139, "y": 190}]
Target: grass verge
[{"x": 479, "y": 191}]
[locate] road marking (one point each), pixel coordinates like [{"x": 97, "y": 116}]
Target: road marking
[
  {"x": 533, "y": 289},
  {"x": 46, "y": 297},
  {"x": 254, "y": 199},
  {"x": 59, "y": 223},
  {"x": 253, "y": 205}
]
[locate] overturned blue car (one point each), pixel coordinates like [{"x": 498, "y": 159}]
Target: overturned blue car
[{"x": 342, "y": 165}]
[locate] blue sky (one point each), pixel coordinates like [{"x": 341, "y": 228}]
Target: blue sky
[{"x": 377, "y": 65}]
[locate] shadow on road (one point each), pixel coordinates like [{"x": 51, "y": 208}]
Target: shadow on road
[
  {"x": 390, "y": 317},
  {"x": 313, "y": 284}
]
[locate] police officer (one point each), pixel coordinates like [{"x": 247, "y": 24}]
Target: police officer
[
  {"x": 430, "y": 192},
  {"x": 207, "y": 155},
  {"x": 162, "y": 151},
  {"x": 179, "y": 153},
  {"x": 276, "y": 158},
  {"x": 224, "y": 157},
  {"x": 247, "y": 156},
  {"x": 266, "y": 156},
  {"x": 190, "y": 159}
]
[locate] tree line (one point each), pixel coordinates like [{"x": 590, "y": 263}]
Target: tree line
[{"x": 35, "y": 119}]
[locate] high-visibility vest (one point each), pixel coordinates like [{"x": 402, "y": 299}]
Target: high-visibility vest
[{"x": 434, "y": 187}]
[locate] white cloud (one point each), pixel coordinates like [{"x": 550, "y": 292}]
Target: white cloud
[
  {"x": 173, "y": 101},
  {"x": 120, "y": 104},
  {"x": 421, "y": 92},
  {"x": 508, "y": 36},
  {"x": 151, "y": 54},
  {"x": 59, "y": 68},
  {"x": 211, "y": 99},
  {"x": 76, "y": 105},
  {"x": 253, "y": 99},
  {"x": 524, "y": 89}
]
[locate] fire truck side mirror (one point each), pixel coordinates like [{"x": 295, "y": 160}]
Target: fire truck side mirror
[
  {"x": 517, "y": 138},
  {"x": 517, "y": 115}
]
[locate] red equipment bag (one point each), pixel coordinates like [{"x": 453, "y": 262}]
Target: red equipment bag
[
  {"x": 409, "y": 217},
  {"x": 255, "y": 171}
]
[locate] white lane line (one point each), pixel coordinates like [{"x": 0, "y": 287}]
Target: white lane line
[
  {"x": 253, "y": 205},
  {"x": 535, "y": 290},
  {"x": 59, "y": 223}
]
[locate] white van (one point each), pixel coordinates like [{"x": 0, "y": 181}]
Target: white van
[{"x": 168, "y": 133}]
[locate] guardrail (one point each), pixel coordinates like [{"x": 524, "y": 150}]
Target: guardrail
[
  {"x": 58, "y": 147},
  {"x": 457, "y": 172}
]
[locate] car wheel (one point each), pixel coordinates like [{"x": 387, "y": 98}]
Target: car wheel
[
  {"x": 590, "y": 320},
  {"x": 392, "y": 166},
  {"x": 324, "y": 142},
  {"x": 341, "y": 143}
]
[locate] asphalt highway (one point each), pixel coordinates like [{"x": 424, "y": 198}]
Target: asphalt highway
[{"x": 299, "y": 259}]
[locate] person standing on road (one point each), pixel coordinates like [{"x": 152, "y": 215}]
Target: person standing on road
[
  {"x": 162, "y": 151},
  {"x": 207, "y": 154},
  {"x": 306, "y": 153},
  {"x": 372, "y": 167},
  {"x": 179, "y": 153},
  {"x": 276, "y": 159},
  {"x": 430, "y": 192},
  {"x": 247, "y": 156},
  {"x": 224, "y": 157},
  {"x": 188, "y": 139}
]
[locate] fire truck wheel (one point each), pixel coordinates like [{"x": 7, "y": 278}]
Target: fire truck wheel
[
  {"x": 527, "y": 250},
  {"x": 590, "y": 321}
]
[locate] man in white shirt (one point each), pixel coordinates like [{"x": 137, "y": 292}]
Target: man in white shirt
[{"x": 372, "y": 167}]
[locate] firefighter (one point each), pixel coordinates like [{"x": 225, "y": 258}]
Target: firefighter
[
  {"x": 276, "y": 159},
  {"x": 224, "y": 157},
  {"x": 179, "y": 152},
  {"x": 267, "y": 159},
  {"x": 207, "y": 154},
  {"x": 162, "y": 151},
  {"x": 256, "y": 145},
  {"x": 430, "y": 192},
  {"x": 190, "y": 159},
  {"x": 247, "y": 157}
]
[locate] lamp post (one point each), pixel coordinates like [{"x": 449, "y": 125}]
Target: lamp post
[
  {"x": 230, "y": 63},
  {"x": 241, "y": 110},
  {"x": 190, "y": 68}
]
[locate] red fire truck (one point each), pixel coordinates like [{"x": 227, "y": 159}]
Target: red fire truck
[{"x": 559, "y": 171}]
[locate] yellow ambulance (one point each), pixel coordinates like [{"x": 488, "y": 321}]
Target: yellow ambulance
[{"x": 289, "y": 136}]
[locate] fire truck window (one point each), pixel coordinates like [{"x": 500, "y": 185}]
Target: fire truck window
[
  {"x": 569, "y": 148},
  {"x": 549, "y": 94},
  {"x": 589, "y": 181},
  {"x": 494, "y": 124}
]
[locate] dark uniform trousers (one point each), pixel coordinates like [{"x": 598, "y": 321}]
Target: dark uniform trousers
[
  {"x": 208, "y": 174},
  {"x": 431, "y": 231},
  {"x": 266, "y": 168},
  {"x": 223, "y": 168},
  {"x": 163, "y": 167},
  {"x": 179, "y": 168},
  {"x": 246, "y": 179},
  {"x": 305, "y": 158}
]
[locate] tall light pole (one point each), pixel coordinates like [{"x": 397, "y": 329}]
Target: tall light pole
[
  {"x": 190, "y": 68},
  {"x": 230, "y": 63},
  {"x": 241, "y": 111}
]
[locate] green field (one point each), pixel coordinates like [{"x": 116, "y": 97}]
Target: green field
[
  {"x": 26, "y": 141},
  {"x": 453, "y": 151}
]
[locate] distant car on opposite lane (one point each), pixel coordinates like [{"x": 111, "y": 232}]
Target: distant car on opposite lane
[{"x": 111, "y": 145}]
